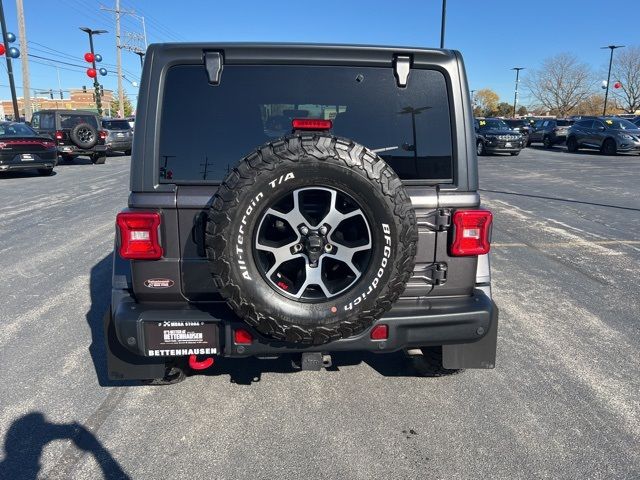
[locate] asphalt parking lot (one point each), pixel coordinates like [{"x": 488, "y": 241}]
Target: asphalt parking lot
[{"x": 563, "y": 402}]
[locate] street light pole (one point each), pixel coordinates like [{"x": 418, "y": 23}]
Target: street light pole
[
  {"x": 12, "y": 84},
  {"x": 515, "y": 97},
  {"x": 606, "y": 92},
  {"x": 444, "y": 15},
  {"x": 96, "y": 84},
  {"x": 141, "y": 55}
]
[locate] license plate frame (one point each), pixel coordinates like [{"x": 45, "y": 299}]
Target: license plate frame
[{"x": 180, "y": 338}]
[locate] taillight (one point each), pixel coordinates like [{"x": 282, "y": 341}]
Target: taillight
[
  {"x": 139, "y": 235},
  {"x": 379, "y": 332},
  {"x": 471, "y": 232},
  {"x": 103, "y": 134},
  {"x": 311, "y": 124},
  {"x": 59, "y": 135},
  {"x": 242, "y": 337}
]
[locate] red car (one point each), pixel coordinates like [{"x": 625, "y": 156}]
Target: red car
[{"x": 21, "y": 148}]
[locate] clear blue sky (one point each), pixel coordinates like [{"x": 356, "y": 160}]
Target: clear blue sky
[{"x": 493, "y": 35}]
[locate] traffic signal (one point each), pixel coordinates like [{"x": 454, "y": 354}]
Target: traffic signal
[
  {"x": 101, "y": 91},
  {"x": 61, "y": 97},
  {"x": 51, "y": 93},
  {"x": 84, "y": 89}
]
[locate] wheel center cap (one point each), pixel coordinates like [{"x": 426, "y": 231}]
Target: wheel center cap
[{"x": 314, "y": 243}]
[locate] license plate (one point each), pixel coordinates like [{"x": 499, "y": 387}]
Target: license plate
[
  {"x": 507, "y": 145},
  {"x": 26, "y": 157},
  {"x": 67, "y": 149},
  {"x": 120, "y": 134},
  {"x": 180, "y": 338}
]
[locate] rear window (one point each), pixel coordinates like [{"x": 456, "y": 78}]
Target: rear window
[
  {"x": 564, "y": 123},
  {"x": 206, "y": 129},
  {"x": 116, "y": 124},
  {"x": 17, "y": 130},
  {"x": 73, "y": 119}
]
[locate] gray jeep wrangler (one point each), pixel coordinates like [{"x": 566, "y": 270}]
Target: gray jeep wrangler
[{"x": 301, "y": 200}]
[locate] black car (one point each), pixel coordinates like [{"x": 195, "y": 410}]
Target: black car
[
  {"x": 357, "y": 226},
  {"x": 550, "y": 131},
  {"x": 520, "y": 125},
  {"x": 493, "y": 135},
  {"x": 76, "y": 132},
  {"x": 21, "y": 148},
  {"x": 119, "y": 135}
]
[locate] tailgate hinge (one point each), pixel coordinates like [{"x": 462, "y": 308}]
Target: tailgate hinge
[
  {"x": 213, "y": 63},
  {"x": 437, "y": 273},
  {"x": 437, "y": 220}
]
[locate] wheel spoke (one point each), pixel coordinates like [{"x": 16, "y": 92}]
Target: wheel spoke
[
  {"x": 313, "y": 276},
  {"x": 282, "y": 254},
  {"x": 294, "y": 217},
  {"x": 345, "y": 255}
]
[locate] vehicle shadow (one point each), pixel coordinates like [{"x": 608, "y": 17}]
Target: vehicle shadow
[
  {"x": 100, "y": 293},
  {"x": 245, "y": 371},
  {"x": 83, "y": 160},
  {"x": 25, "y": 174},
  {"x": 27, "y": 437}
]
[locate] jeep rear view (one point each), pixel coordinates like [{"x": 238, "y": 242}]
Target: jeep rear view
[{"x": 300, "y": 200}]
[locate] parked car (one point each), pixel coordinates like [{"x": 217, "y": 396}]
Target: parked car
[
  {"x": 636, "y": 121},
  {"x": 22, "y": 148},
  {"x": 76, "y": 132},
  {"x": 610, "y": 135},
  {"x": 493, "y": 135},
  {"x": 243, "y": 241},
  {"x": 520, "y": 125},
  {"x": 550, "y": 132},
  {"x": 119, "y": 135}
]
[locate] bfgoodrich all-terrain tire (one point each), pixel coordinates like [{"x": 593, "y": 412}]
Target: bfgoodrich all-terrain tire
[{"x": 311, "y": 238}]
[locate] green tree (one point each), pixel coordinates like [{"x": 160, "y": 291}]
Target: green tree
[
  {"x": 522, "y": 111},
  {"x": 115, "y": 105},
  {"x": 503, "y": 109}
]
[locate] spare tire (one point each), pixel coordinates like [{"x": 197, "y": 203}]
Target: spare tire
[
  {"x": 84, "y": 135},
  {"x": 311, "y": 238}
]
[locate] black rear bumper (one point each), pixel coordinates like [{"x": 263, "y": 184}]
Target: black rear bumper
[{"x": 454, "y": 321}]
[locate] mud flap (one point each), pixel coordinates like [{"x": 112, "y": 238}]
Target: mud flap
[
  {"x": 480, "y": 354},
  {"x": 124, "y": 365}
]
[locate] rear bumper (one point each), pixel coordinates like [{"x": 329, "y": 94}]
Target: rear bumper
[
  {"x": 411, "y": 323},
  {"x": 118, "y": 146},
  {"x": 73, "y": 150},
  {"x": 493, "y": 149},
  {"x": 6, "y": 167}
]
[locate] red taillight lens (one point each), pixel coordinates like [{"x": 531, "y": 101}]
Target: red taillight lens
[
  {"x": 311, "y": 124},
  {"x": 471, "y": 232},
  {"x": 103, "y": 134},
  {"x": 242, "y": 337},
  {"x": 59, "y": 135},
  {"x": 139, "y": 235},
  {"x": 380, "y": 332}
]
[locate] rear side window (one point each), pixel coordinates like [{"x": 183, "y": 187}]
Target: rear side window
[
  {"x": 206, "y": 129},
  {"x": 48, "y": 121},
  {"x": 71, "y": 120}
]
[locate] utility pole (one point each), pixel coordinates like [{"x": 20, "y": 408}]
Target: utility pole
[
  {"x": 12, "y": 85},
  {"x": 26, "y": 87},
  {"x": 515, "y": 97},
  {"x": 606, "y": 93},
  {"x": 118, "y": 13}
]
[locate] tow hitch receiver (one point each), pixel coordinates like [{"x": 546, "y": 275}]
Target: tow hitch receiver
[{"x": 315, "y": 361}]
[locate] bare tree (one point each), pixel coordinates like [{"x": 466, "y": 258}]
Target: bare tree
[
  {"x": 626, "y": 70},
  {"x": 560, "y": 84}
]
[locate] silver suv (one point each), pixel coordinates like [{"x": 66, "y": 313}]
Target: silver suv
[{"x": 610, "y": 135}]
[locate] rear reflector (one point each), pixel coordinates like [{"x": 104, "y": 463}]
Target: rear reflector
[
  {"x": 311, "y": 124},
  {"x": 103, "y": 134},
  {"x": 380, "y": 332},
  {"x": 59, "y": 135},
  {"x": 242, "y": 337},
  {"x": 139, "y": 235},
  {"x": 471, "y": 232}
]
